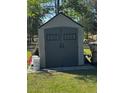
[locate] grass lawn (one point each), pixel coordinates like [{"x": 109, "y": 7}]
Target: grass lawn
[{"x": 63, "y": 82}]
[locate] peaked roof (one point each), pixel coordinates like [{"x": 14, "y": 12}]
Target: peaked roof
[{"x": 63, "y": 15}]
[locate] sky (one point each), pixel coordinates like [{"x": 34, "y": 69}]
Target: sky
[{"x": 52, "y": 13}]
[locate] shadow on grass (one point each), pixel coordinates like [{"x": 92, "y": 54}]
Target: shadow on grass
[
  {"x": 86, "y": 75},
  {"x": 82, "y": 72}
]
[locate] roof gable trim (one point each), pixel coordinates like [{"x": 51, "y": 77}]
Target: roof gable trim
[{"x": 63, "y": 15}]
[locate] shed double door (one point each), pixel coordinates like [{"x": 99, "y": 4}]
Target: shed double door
[{"x": 61, "y": 47}]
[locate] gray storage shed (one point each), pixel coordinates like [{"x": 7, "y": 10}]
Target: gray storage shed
[{"x": 61, "y": 42}]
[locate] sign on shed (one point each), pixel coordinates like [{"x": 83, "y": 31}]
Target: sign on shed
[{"x": 61, "y": 42}]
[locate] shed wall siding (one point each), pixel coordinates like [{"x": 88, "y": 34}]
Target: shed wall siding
[
  {"x": 42, "y": 48},
  {"x": 80, "y": 47}
]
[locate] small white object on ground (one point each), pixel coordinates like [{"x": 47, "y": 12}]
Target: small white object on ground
[{"x": 36, "y": 62}]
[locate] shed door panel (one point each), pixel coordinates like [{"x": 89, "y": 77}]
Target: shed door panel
[
  {"x": 70, "y": 44},
  {"x": 61, "y": 47}
]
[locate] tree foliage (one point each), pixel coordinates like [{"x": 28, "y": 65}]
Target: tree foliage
[
  {"x": 35, "y": 12},
  {"x": 82, "y": 11}
]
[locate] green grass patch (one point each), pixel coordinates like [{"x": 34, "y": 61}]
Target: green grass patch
[{"x": 62, "y": 82}]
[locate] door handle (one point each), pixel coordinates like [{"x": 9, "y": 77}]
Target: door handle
[{"x": 61, "y": 45}]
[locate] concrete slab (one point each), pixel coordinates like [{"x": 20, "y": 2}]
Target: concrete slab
[{"x": 85, "y": 67}]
